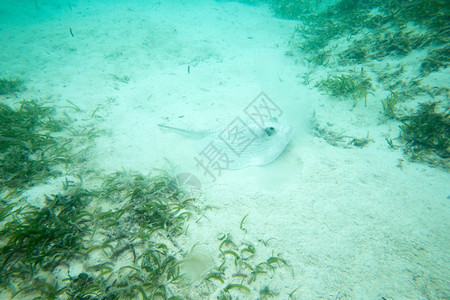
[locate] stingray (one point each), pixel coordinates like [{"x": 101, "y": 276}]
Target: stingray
[{"x": 242, "y": 143}]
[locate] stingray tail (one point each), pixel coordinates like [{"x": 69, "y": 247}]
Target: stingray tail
[{"x": 191, "y": 133}]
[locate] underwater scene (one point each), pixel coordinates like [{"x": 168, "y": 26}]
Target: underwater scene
[{"x": 224, "y": 149}]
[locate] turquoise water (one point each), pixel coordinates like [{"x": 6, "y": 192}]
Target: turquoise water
[{"x": 302, "y": 150}]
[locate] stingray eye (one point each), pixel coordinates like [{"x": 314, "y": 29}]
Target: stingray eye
[{"x": 269, "y": 131}]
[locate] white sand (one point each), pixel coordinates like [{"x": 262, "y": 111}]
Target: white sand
[{"x": 351, "y": 223}]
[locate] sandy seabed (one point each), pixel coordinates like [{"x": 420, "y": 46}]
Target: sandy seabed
[{"x": 352, "y": 223}]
